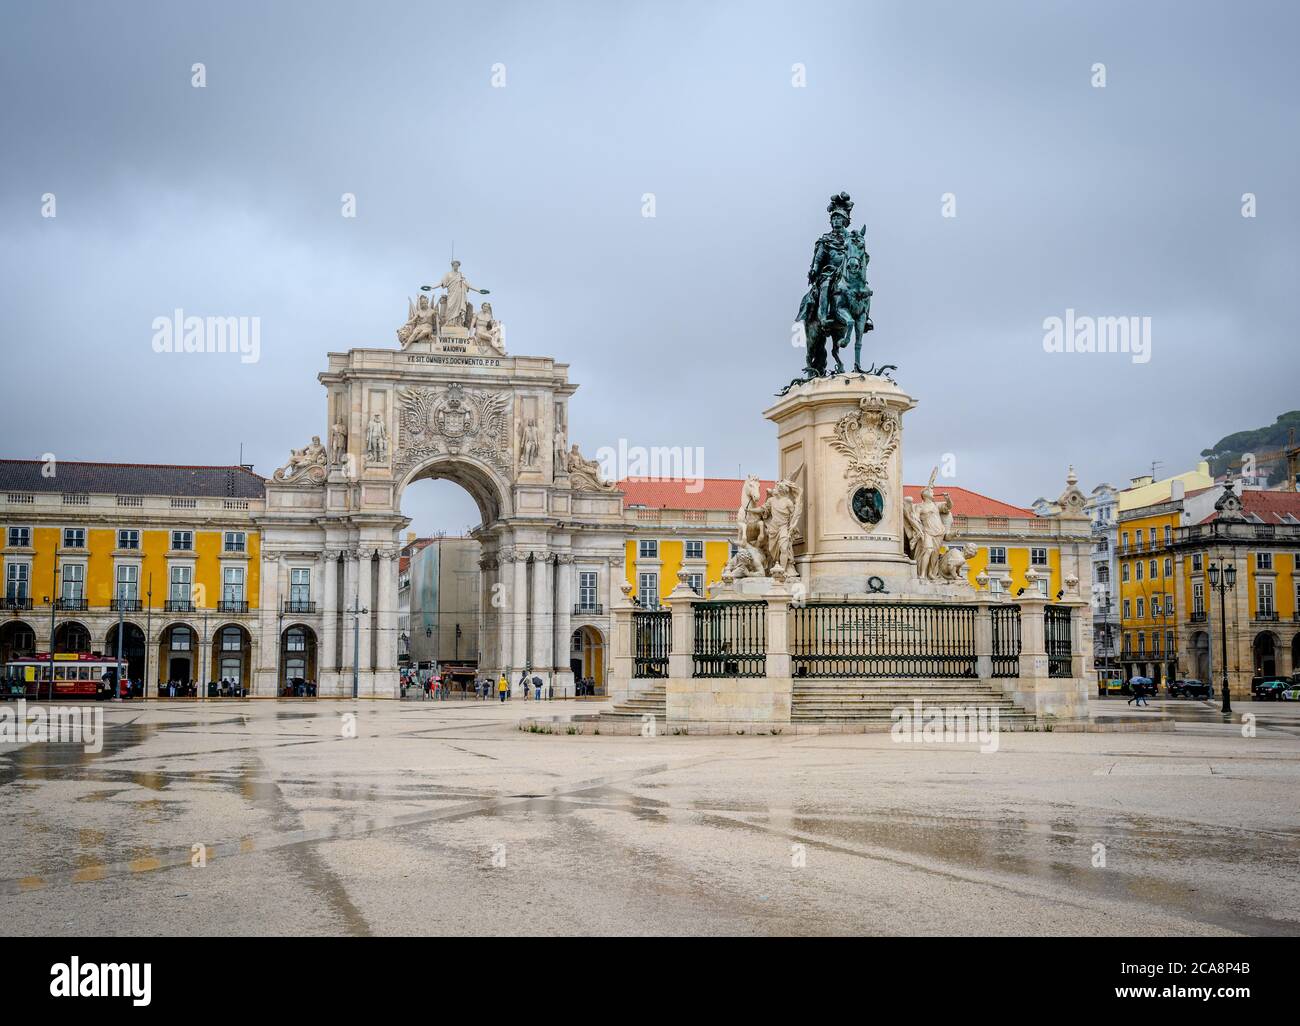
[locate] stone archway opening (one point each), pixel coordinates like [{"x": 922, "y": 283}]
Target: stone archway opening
[
  {"x": 231, "y": 668},
  {"x": 71, "y": 637},
  {"x": 1264, "y": 650},
  {"x": 1201, "y": 656},
  {"x": 133, "y": 644},
  {"x": 298, "y": 672},
  {"x": 587, "y": 659},
  {"x": 17, "y": 640},
  {"x": 178, "y": 655}
]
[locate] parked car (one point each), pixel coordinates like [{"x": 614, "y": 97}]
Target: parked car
[
  {"x": 1190, "y": 689},
  {"x": 1267, "y": 689},
  {"x": 1291, "y": 694}
]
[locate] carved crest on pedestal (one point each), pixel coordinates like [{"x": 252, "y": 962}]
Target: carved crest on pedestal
[
  {"x": 867, "y": 438},
  {"x": 453, "y": 421}
]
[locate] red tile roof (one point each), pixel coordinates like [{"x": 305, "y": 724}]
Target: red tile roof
[
  {"x": 1271, "y": 507},
  {"x": 723, "y": 493}
]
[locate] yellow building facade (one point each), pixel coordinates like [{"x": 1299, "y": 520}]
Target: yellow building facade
[{"x": 171, "y": 555}]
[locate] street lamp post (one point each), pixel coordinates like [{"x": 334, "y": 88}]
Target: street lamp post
[
  {"x": 1223, "y": 582},
  {"x": 357, "y": 614}
]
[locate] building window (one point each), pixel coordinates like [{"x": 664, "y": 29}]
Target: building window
[
  {"x": 1198, "y": 598},
  {"x": 1137, "y": 569},
  {"x": 231, "y": 639},
  {"x": 647, "y": 591},
  {"x": 1263, "y": 561},
  {"x": 1038, "y": 557},
  {"x": 1151, "y": 536},
  {"x": 181, "y": 583},
  {"x": 181, "y": 639},
  {"x": 1264, "y": 594},
  {"x": 1169, "y": 566},
  {"x": 1169, "y": 605},
  {"x": 235, "y": 541},
  {"x": 17, "y": 581},
  {"x": 128, "y": 581},
  {"x": 695, "y": 550},
  {"x": 696, "y": 582},
  {"x": 295, "y": 640},
  {"x": 128, "y": 539},
  {"x": 74, "y": 582},
  {"x": 1128, "y": 609},
  {"x": 1141, "y": 608},
  {"x": 1123, "y": 571},
  {"x": 1103, "y": 573},
  {"x": 1142, "y": 642},
  {"x": 182, "y": 541},
  {"x": 232, "y": 584},
  {"x": 1169, "y": 643},
  {"x": 997, "y": 555},
  {"x": 74, "y": 537},
  {"x": 1155, "y": 569},
  {"x": 1169, "y": 534},
  {"x": 299, "y": 587},
  {"x": 20, "y": 537},
  {"x": 587, "y": 584},
  {"x": 1042, "y": 585},
  {"x": 1196, "y": 563},
  {"x": 648, "y": 550}
]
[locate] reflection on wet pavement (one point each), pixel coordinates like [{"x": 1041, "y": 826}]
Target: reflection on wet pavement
[{"x": 257, "y": 817}]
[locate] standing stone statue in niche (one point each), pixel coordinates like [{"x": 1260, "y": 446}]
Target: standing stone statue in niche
[
  {"x": 529, "y": 446},
  {"x": 560, "y": 444},
  {"x": 837, "y": 305},
  {"x": 376, "y": 440},
  {"x": 338, "y": 442}
]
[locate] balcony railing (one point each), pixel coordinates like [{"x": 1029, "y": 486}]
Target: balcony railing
[
  {"x": 125, "y": 605},
  {"x": 16, "y": 602},
  {"x": 1266, "y": 616},
  {"x": 1199, "y": 616},
  {"x": 232, "y": 606},
  {"x": 71, "y": 604},
  {"x": 180, "y": 605},
  {"x": 592, "y": 608},
  {"x": 299, "y": 606}
]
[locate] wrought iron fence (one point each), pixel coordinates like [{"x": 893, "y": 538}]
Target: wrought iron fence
[
  {"x": 1006, "y": 641},
  {"x": 730, "y": 639},
  {"x": 1056, "y": 625},
  {"x": 883, "y": 639},
  {"x": 652, "y": 636}
]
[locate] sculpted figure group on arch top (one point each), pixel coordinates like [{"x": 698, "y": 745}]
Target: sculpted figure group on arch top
[{"x": 452, "y": 316}]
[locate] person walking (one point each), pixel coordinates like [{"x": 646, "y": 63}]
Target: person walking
[{"x": 503, "y": 688}]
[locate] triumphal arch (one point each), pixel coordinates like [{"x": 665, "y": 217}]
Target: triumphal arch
[{"x": 445, "y": 399}]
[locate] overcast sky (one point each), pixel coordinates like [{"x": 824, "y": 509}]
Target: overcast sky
[{"x": 226, "y": 200}]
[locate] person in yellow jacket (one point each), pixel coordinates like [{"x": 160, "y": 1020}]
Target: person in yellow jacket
[{"x": 503, "y": 688}]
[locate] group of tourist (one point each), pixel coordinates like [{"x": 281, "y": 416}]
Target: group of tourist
[{"x": 226, "y": 687}]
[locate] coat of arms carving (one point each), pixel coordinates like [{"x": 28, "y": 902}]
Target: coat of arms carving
[
  {"x": 868, "y": 438},
  {"x": 456, "y": 420}
]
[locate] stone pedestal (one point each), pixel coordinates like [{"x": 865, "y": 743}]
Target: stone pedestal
[{"x": 841, "y": 440}]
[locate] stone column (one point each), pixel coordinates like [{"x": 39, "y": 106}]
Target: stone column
[
  {"x": 563, "y": 623},
  {"x": 984, "y": 639},
  {"x": 347, "y": 601},
  {"x": 263, "y": 680},
  {"x": 619, "y": 666},
  {"x": 386, "y": 618},
  {"x": 518, "y": 616},
  {"x": 488, "y": 646},
  {"x": 327, "y": 661},
  {"x": 365, "y": 600},
  {"x": 541, "y": 613},
  {"x": 502, "y": 604}
]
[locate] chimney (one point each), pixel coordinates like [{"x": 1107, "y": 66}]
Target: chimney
[{"x": 1177, "y": 489}]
